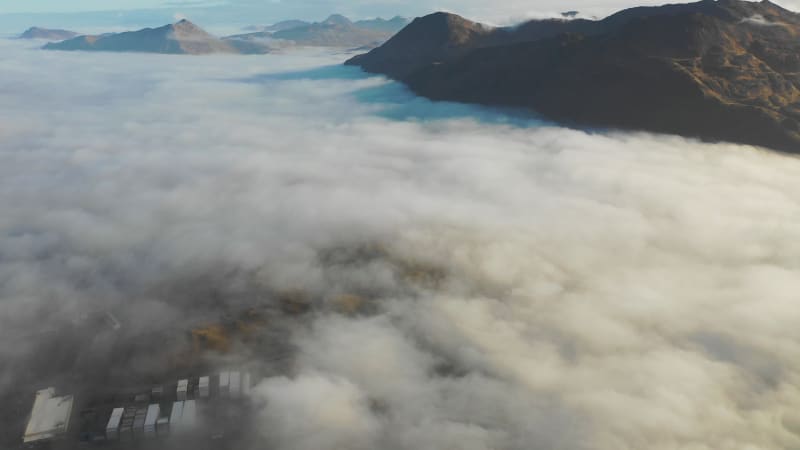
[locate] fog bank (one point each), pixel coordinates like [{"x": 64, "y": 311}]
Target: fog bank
[{"x": 519, "y": 285}]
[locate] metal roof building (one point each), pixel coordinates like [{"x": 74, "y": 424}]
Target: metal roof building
[
  {"x": 175, "y": 416},
  {"x": 183, "y": 388},
  {"x": 153, "y": 413},
  {"x": 224, "y": 384},
  {"x": 189, "y": 416},
  {"x": 49, "y": 417},
  {"x": 235, "y": 384},
  {"x": 112, "y": 429},
  {"x": 204, "y": 383}
]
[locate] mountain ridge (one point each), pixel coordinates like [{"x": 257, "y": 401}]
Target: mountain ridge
[
  {"x": 183, "y": 37},
  {"x": 335, "y": 31},
  {"x": 47, "y": 33},
  {"x": 726, "y": 70}
]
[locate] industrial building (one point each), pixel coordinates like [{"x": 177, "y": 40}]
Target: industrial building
[
  {"x": 50, "y": 417},
  {"x": 150, "y": 420},
  {"x": 224, "y": 383},
  {"x": 112, "y": 428},
  {"x": 152, "y": 413},
  {"x": 175, "y": 416},
  {"x": 183, "y": 388},
  {"x": 235, "y": 384},
  {"x": 204, "y": 386}
]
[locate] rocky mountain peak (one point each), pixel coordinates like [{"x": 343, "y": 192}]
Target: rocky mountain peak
[
  {"x": 337, "y": 19},
  {"x": 185, "y": 25}
]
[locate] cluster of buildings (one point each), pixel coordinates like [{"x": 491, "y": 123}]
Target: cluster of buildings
[{"x": 153, "y": 415}]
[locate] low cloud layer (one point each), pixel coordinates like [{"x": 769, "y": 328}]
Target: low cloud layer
[
  {"x": 760, "y": 20},
  {"x": 525, "y": 286}
]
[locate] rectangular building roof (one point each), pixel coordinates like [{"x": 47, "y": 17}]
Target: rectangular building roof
[
  {"x": 177, "y": 412},
  {"x": 115, "y": 419},
  {"x": 189, "y": 418},
  {"x": 152, "y": 415},
  {"x": 49, "y": 417},
  {"x": 235, "y": 384}
]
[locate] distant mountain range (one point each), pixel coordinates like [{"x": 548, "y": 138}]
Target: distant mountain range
[
  {"x": 726, "y": 70},
  {"x": 335, "y": 31},
  {"x": 183, "y": 37},
  {"x": 285, "y": 25},
  {"x": 392, "y": 25},
  {"x": 48, "y": 34}
]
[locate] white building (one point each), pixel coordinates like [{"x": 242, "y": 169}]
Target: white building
[
  {"x": 189, "y": 416},
  {"x": 203, "y": 385},
  {"x": 175, "y": 416},
  {"x": 183, "y": 387},
  {"x": 112, "y": 429},
  {"x": 49, "y": 417},
  {"x": 235, "y": 384},
  {"x": 153, "y": 413},
  {"x": 224, "y": 384}
]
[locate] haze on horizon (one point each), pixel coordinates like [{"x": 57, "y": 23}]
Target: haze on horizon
[{"x": 230, "y": 13}]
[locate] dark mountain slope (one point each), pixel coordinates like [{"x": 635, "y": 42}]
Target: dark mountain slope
[
  {"x": 443, "y": 36},
  {"x": 718, "y": 70},
  {"x": 430, "y": 39}
]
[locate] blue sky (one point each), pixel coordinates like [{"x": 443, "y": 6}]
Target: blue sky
[
  {"x": 51, "y": 6},
  {"x": 508, "y": 6},
  {"x": 27, "y": 6}
]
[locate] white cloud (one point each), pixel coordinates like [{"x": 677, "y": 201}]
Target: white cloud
[
  {"x": 314, "y": 412},
  {"x": 538, "y": 287},
  {"x": 758, "y": 19}
]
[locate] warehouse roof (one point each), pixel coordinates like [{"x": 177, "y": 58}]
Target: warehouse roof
[{"x": 49, "y": 417}]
